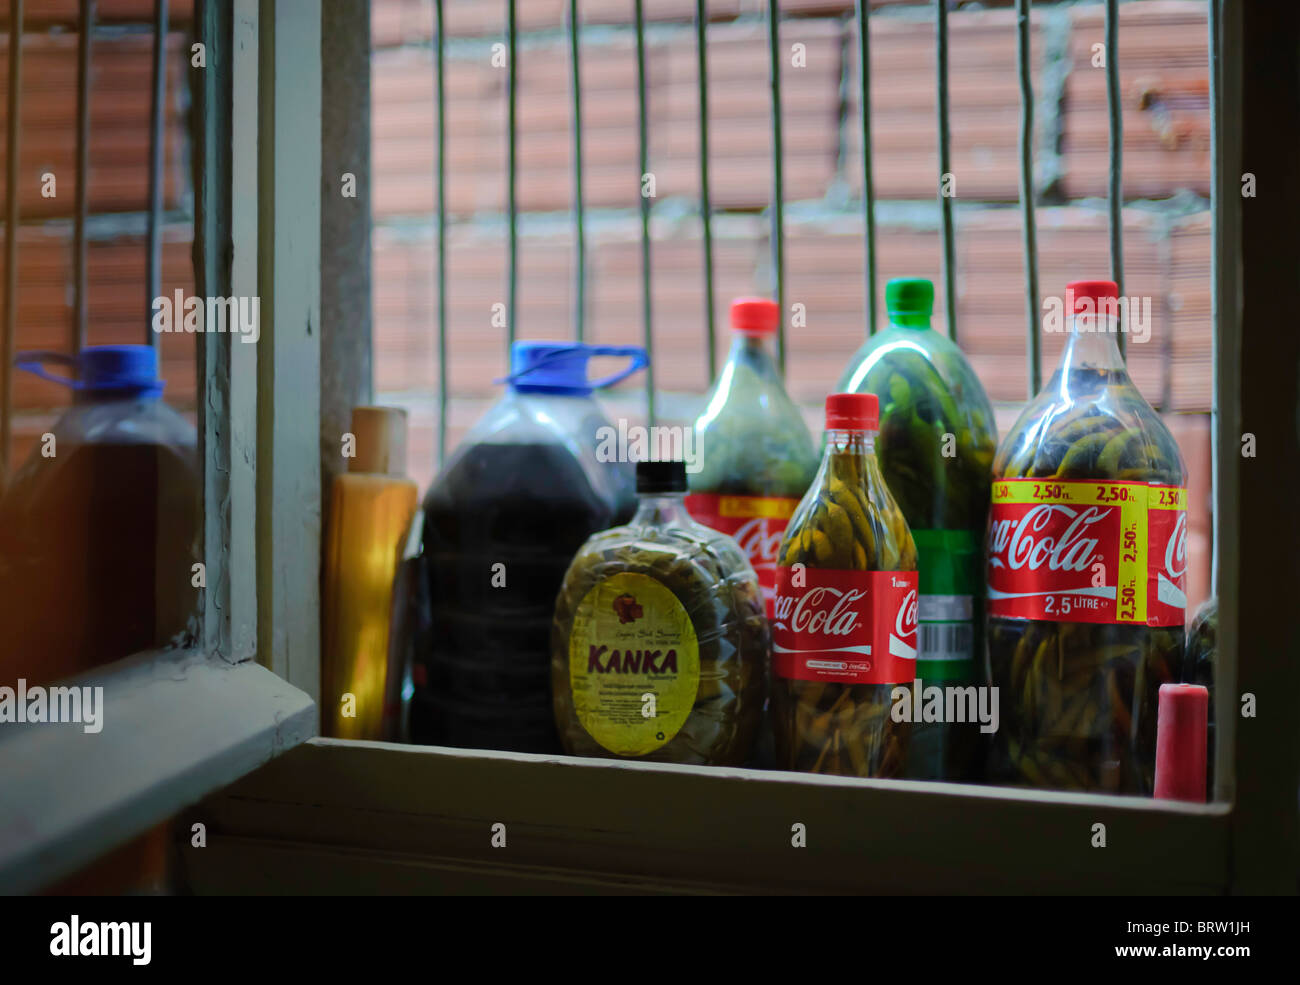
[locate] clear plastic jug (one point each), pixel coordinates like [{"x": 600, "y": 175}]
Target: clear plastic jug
[
  {"x": 512, "y": 505},
  {"x": 100, "y": 527}
]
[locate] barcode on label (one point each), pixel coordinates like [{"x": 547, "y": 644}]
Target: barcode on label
[{"x": 946, "y": 641}]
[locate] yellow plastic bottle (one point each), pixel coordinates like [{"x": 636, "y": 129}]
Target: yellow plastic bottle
[{"x": 371, "y": 507}]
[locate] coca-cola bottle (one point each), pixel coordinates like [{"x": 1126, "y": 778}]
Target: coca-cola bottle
[
  {"x": 1086, "y": 554},
  {"x": 844, "y": 630},
  {"x": 756, "y": 456}
]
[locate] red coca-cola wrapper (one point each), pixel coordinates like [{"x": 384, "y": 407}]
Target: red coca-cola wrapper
[
  {"x": 848, "y": 627},
  {"x": 1098, "y": 551},
  {"x": 757, "y": 523}
]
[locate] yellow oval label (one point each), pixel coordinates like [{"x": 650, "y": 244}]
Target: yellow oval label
[{"x": 634, "y": 664}]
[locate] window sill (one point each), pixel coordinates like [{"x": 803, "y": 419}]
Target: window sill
[
  {"x": 175, "y": 728},
  {"x": 368, "y": 817}
]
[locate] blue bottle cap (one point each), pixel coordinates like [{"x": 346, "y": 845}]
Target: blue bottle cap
[
  {"x": 101, "y": 370},
  {"x": 561, "y": 367}
]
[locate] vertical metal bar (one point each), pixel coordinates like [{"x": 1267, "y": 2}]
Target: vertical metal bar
[
  {"x": 579, "y": 230},
  {"x": 512, "y": 100},
  {"x": 13, "y": 132},
  {"x": 945, "y": 168},
  {"x": 868, "y": 181},
  {"x": 778, "y": 175},
  {"x": 1027, "y": 195},
  {"x": 441, "y": 181},
  {"x": 85, "y": 30},
  {"x": 1215, "y": 234},
  {"x": 153, "y": 286},
  {"x": 1116, "y": 174},
  {"x": 643, "y": 156},
  {"x": 706, "y": 202}
]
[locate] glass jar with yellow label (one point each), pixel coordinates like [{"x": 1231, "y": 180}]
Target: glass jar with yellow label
[{"x": 659, "y": 647}]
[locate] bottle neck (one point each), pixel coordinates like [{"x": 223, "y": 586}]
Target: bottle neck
[
  {"x": 1091, "y": 343},
  {"x": 909, "y": 319},
  {"x": 661, "y": 510},
  {"x": 845, "y": 441},
  {"x": 757, "y": 352}
]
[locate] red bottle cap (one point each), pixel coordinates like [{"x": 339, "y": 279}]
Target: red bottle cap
[
  {"x": 755, "y": 316},
  {"x": 1096, "y": 291},
  {"x": 1180, "y": 742},
  {"x": 852, "y": 412}
]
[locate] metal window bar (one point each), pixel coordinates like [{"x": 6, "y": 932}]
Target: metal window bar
[
  {"x": 79, "y": 324},
  {"x": 643, "y": 157},
  {"x": 78, "y": 330},
  {"x": 512, "y": 206},
  {"x": 157, "y": 118},
  {"x": 441, "y": 272},
  {"x": 868, "y": 181},
  {"x": 778, "y": 177},
  {"x": 862, "y": 9},
  {"x": 706, "y": 204},
  {"x": 1027, "y": 195},
  {"x": 579, "y": 219},
  {"x": 13, "y": 131},
  {"x": 945, "y": 167}
]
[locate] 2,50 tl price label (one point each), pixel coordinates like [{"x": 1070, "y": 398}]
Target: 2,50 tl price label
[{"x": 1088, "y": 551}]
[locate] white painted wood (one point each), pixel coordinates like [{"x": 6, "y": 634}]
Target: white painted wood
[
  {"x": 353, "y": 817},
  {"x": 243, "y": 359},
  {"x": 288, "y": 467},
  {"x": 176, "y": 727}
]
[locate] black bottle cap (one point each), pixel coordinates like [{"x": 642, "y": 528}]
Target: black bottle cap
[{"x": 660, "y": 477}]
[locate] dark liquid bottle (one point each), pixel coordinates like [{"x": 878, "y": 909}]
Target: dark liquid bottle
[
  {"x": 501, "y": 525},
  {"x": 97, "y": 540},
  {"x": 527, "y": 508}
]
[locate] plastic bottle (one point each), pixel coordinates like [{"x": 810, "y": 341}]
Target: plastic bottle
[
  {"x": 99, "y": 529},
  {"x": 844, "y": 636},
  {"x": 523, "y": 491},
  {"x": 1087, "y": 537},
  {"x": 371, "y": 506},
  {"x": 660, "y": 646},
  {"x": 756, "y": 455},
  {"x": 936, "y": 445}
]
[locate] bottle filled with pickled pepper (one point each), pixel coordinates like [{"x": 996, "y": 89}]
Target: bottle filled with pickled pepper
[
  {"x": 936, "y": 444},
  {"x": 844, "y": 633},
  {"x": 1086, "y": 557},
  {"x": 659, "y": 647},
  {"x": 757, "y": 455}
]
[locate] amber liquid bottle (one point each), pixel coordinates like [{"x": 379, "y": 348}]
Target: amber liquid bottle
[{"x": 371, "y": 507}]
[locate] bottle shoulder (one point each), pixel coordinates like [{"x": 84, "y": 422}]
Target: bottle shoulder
[{"x": 1089, "y": 423}]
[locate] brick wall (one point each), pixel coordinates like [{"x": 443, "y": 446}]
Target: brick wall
[
  {"x": 117, "y": 192},
  {"x": 1163, "y": 77}
]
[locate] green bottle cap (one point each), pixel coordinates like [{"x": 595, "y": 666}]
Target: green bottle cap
[{"x": 909, "y": 296}]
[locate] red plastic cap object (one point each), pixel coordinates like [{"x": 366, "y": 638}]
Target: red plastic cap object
[
  {"x": 852, "y": 412},
  {"x": 1180, "y": 742},
  {"x": 755, "y": 316},
  {"x": 1097, "y": 291}
]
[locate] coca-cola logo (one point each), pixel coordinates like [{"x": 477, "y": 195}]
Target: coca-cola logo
[
  {"x": 1013, "y": 543},
  {"x": 820, "y": 610},
  {"x": 758, "y": 540},
  {"x": 1176, "y": 550},
  {"x": 905, "y": 623}
]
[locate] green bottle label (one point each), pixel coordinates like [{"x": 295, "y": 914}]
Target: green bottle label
[{"x": 949, "y": 563}]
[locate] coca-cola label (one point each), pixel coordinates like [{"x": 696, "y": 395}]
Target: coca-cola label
[
  {"x": 757, "y": 523},
  {"x": 1087, "y": 551},
  {"x": 847, "y": 627}
]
